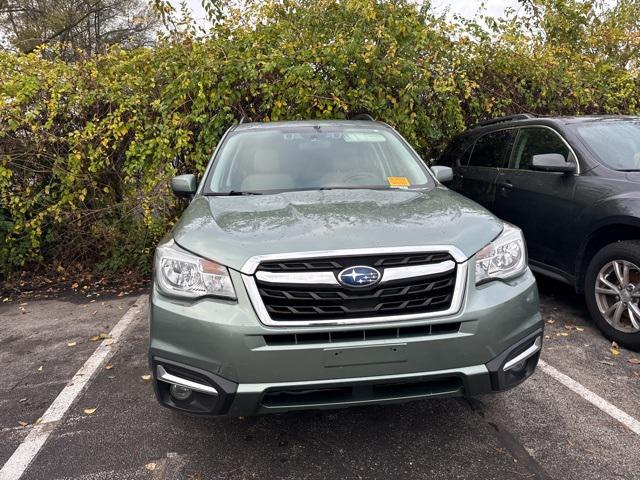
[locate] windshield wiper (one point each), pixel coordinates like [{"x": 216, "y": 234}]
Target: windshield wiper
[
  {"x": 233, "y": 193},
  {"x": 629, "y": 169},
  {"x": 349, "y": 187}
]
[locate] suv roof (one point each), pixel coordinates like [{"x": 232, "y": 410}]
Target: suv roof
[
  {"x": 310, "y": 123},
  {"x": 528, "y": 119}
]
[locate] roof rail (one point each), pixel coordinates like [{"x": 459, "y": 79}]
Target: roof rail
[
  {"x": 507, "y": 118},
  {"x": 363, "y": 116}
]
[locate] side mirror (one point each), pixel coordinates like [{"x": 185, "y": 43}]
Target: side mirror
[
  {"x": 184, "y": 185},
  {"x": 443, "y": 174},
  {"x": 552, "y": 162}
]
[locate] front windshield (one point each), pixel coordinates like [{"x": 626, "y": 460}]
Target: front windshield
[
  {"x": 616, "y": 143},
  {"x": 314, "y": 157}
]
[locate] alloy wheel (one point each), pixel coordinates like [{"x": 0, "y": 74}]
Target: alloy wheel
[{"x": 617, "y": 294}]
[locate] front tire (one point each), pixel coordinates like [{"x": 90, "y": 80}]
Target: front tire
[{"x": 612, "y": 292}]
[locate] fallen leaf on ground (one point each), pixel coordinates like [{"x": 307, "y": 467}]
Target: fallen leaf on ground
[
  {"x": 150, "y": 466},
  {"x": 40, "y": 368},
  {"x": 89, "y": 411},
  {"x": 551, "y": 322},
  {"x": 108, "y": 341},
  {"x": 615, "y": 350},
  {"x": 146, "y": 377},
  {"x": 94, "y": 338},
  {"x": 108, "y": 367},
  {"x": 38, "y": 421},
  {"x": 72, "y": 344},
  {"x": 634, "y": 361},
  {"x": 580, "y": 329},
  {"x": 104, "y": 335},
  {"x": 22, "y": 424},
  {"x": 74, "y": 285}
]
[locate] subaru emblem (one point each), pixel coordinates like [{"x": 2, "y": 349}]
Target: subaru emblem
[{"x": 359, "y": 276}]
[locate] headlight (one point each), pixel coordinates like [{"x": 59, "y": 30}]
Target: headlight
[
  {"x": 505, "y": 257},
  {"x": 182, "y": 274}
]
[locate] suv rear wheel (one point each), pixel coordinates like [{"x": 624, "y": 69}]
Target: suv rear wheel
[{"x": 612, "y": 292}]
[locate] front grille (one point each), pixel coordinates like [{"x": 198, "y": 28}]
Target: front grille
[
  {"x": 304, "y": 302},
  {"x": 342, "y": 336},
  {"x": 335, "y": 395},
  {"x": 339, "y": 263}
]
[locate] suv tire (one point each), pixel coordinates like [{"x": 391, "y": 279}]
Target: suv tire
[{"x": 616, "y": 291}]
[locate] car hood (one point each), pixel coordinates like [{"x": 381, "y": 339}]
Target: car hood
[{"x": 230, "y": 230}]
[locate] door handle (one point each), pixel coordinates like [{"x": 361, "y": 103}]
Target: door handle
[{"x": 506, "y": 186}]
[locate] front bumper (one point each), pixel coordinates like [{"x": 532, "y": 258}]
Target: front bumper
[{"x": 224, "y": 345}]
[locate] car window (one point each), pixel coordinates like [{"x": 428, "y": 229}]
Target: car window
[
  {"x": 537, "y": 141},
  {"x": 315, "y": 157},
  {"x": 492, "y": 149},
  {"x": 616, "y": 143},
  {"x": 457, "y": 153}
]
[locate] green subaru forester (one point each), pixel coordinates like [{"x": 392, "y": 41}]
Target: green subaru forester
[{"x": 320, "y": 264}]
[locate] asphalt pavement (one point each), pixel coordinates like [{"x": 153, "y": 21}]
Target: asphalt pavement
[{"x": 539, "y": 430}]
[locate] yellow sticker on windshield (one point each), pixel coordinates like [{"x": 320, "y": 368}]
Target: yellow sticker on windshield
[{"x": 398, "y": 181}]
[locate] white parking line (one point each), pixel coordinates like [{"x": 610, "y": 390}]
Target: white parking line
[
  {"x": 593, "y": 398},
  {"x": 31, "y": 445}
]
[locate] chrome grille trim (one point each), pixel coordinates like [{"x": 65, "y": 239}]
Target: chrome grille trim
[
  {"x": 303, "y": 278},
  {"x": 398, "y": 273},
  {"x": 252, "y": 264},
  {"x": 328, "y": 278}
]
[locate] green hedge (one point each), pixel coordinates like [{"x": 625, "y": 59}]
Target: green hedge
[{"x": 87, "y": 146}]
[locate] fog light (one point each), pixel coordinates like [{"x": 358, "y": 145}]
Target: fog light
[
  {"x": 519, "y": 362},
  {"x": 518, "y": 367},
  {"x": 179, "y": 392}
]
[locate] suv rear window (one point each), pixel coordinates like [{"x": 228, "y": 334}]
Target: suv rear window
[{"x": 492, "y": 149}]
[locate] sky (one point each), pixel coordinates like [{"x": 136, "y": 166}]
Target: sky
[{"x": 463, "y": 7}]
